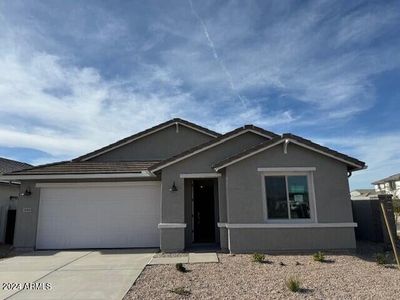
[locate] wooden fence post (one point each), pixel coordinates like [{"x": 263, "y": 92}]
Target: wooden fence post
[{"x": 387, "y": 208}]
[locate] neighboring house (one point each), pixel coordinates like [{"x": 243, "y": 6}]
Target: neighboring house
[
  {"x": 8, "y": 199},
  {"x": 389, "y": 185},
  {"x": 363, "y": 194},
  {"x": 178, "y": 185}
]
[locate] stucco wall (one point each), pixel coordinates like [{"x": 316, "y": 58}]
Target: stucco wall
[
  {"x": 173, "y": 203},
  {"x": 244, "y": 187},
  {"x": 172, "y": 239},
  {"x": 159, "y": 145},
  {"x": 245, "y": 203},
  {"x": 26, "y": 222},
  {"x": 293, "y": 239}
]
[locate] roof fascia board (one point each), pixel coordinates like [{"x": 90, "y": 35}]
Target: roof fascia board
[
  {"x": 205, "y": 148},
  {"x": 147, "y": 134},
  {"x": 197, "y": 129},
  {"x": 76, "y": 176},
  {"x": 326, "y": 154},
  {"x": 294, "y": 142},
  {"x": 259, "y": 133}
]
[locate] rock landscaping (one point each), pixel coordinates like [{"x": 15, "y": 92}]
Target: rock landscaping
[{"x": 341, "y": 276}]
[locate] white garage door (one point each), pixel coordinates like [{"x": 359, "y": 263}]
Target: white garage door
[{"x": 99, "y": 216}]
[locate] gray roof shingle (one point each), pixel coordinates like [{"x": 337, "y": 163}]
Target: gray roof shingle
[
  {"x": 8, "y": 165},
  {"x": 69, "y": 167}
]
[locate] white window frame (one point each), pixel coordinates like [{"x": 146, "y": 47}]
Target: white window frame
[{"x": 309, "y": 173}]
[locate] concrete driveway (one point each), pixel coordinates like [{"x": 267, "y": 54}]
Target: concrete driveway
[{"x": 101, "y": 274}]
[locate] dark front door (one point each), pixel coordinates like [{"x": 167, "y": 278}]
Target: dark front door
[
  {"x": 203, "y": 211},
  {"x": 11, "y": 214}
]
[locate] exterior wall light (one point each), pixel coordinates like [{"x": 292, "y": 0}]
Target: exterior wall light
[
  {"x": 27, "y": 192},
  {"x": 173, "y": 187}
]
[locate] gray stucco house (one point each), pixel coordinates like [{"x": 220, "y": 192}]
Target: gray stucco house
[{"x": 178, "y": 185}]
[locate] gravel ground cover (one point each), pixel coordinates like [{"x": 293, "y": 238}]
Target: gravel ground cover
[{"x": 351, "y": 276}]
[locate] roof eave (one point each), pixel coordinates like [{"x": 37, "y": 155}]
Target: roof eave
[
  {"x": 285, "y": 138},
  {"x": 126, "y": 175}
]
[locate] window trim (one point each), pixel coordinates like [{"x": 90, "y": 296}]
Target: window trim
[{"x": 290, "y": 172}]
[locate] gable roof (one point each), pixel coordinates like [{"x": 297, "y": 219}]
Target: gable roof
[
  {"x": 9, "y": 165},
  {"x": 70, "y": 169},
  {"x": 144, "y": 133},
  {"x": 353, "y": 163},
  {"x": 394, "y": 177},
  {"x": 210, "y": 144}
]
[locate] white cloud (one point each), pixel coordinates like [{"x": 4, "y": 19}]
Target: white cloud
[
  {"x": 301, "y": 53},
  {"x": 61, "y": 91},
  {"x": 379, "y": 151},
  {"x": 92, "y": 112}
]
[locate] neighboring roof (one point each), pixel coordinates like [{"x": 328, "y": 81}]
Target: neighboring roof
[
  {"x": 219, "y": 140},
  {"x": 395, "y": 177},
  {"x": 8, "y": 165},
  {"x": 354, "y": 163},
  {"x": 87, "y": 168},
  {"x": 144, "y": 133},
  {"x": 364, "y": 192}
]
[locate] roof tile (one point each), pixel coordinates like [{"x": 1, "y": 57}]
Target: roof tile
[
  {"x": 88, "y": 168},
  {"x": 8, "y": 165}
]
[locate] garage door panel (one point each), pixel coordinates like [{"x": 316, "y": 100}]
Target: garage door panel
[{"x": 99, "y": 217}]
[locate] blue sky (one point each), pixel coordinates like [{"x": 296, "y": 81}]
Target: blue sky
[{"x": 77, "y": 75}]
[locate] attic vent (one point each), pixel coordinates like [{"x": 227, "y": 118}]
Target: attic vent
[{"x": 177, "y": 127}]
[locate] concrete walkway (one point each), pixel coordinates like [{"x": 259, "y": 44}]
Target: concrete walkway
[
  {"x": 102, "y": 274},
  {"x": 190, "y": 258}
]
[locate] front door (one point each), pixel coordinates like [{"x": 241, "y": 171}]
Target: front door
[
  {"x": 203, "y": 211},
  {"x": 10, "y": 227}
]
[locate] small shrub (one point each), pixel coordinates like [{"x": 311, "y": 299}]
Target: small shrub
[
  {"x": 258, "y": 257},
  {"x": 180, "y": 267},
  {"x": 319, "y": 256},
  {"x": 293, "y": 284},
  {"x": 380, "y": 258},
  {"x": 180, "y": 291}
]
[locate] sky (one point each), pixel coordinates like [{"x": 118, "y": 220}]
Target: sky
[{"x": 78, "y": 75}]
